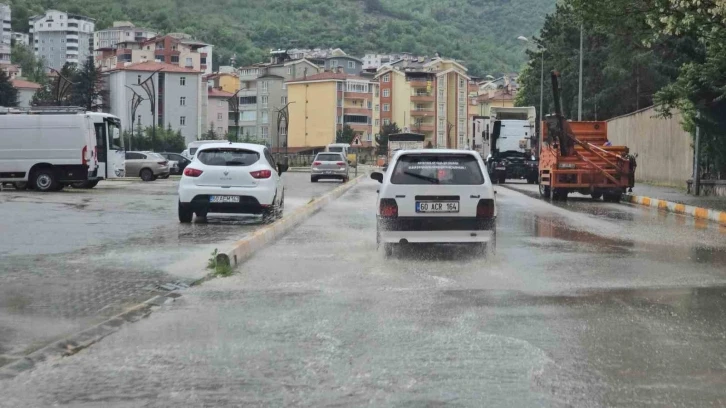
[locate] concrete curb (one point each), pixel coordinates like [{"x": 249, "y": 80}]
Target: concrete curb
[
  {"x": 248, "y": 246},
  {"x": 696, "y": 212},
  {"x": 81, "y": 340}
]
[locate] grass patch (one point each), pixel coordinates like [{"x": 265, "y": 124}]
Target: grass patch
[{"x": 219, "y": 268}]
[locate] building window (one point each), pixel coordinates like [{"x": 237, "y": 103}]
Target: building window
[
  {"x": 333, "y": 63},
  {"x": 189, "y": 63},
  {"x": 441, "y": 94},
  {"x": 220, "y": 103},
  {"x": 351, "y": 64},
  {"x": 376, "y": 88},
  {"x": 182, "y": 120},
  {"x": 283, "y": 100},
  {"x": 386, "y": 122},
  {"x": 264, "y": 86},
  {"x": 386, "y": 93},
  {"x": 378, "y": 122},
  {"x": 378, "y": 107},
  {"x": 370, "y": 104},
  {"x": 387, "y": 78},
  {"x": 138, "y": 79},
  {"x": 265, "y": 117},
  {"x": 369, "y": 137},
  {"x": 220, "y": 116},
  {"x": 264, "y": 132},
  {"x": 265, "y": 100},
  {"x": 386, "y": 107},
  {"x": 182, "y": 81},
  {"x": 289, "y": 70},
  {"x": 183, "y": 101},
  {"x": 174, "y": 59},
  {"x": 442, "y": 109},
  {"x": 461, "y": 82}
]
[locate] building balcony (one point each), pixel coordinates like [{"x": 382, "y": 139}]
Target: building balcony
[
  {"x": 358, "y": 111},
  {"x": 422, "y": 128},
  {"x": 422, "y": 97},
  {"x": 422, "y": 112},
  {"x": 418, "y": 83},
  {"x": 360, "y": 127},
  {"x": 357, "y": 95}
]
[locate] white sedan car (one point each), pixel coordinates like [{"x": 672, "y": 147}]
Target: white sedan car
[
  {"x": 436, "y": 196},
  {"x": 238, "y": 178}
]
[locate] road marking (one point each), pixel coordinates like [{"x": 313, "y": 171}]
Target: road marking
[{"x": 701, "y": 213}]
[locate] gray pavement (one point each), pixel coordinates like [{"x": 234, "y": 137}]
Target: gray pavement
[
  {"x": 73, "y": 258},
  {"x": 585, "y": 304}
]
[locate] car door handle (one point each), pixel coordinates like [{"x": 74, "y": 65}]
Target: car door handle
[
  {"x": 400, "y": 196},
  {"x": 474, "y": 196}
]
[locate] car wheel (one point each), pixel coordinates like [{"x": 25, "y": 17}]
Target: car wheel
[
  {"x": 346, "y": 179},
  {"x": 85, "y": 184},
  {"x": 313, "y": 179},
  {"x": 201, "y": 214},
  {"x": 388, "y": 249},
  {"x": 44, "y": 180},
  {"x": 164, "y": 177},
  {"x": 559, "y": 194},
  {"x": 596, "y": 196},
  {"x": 612, "y": 198},
  {"x": 185, "y": 213},
  {"x": 20, "y": 185},
  {"x": 502, "y": 179},
  {"x": 271, "y": 213},
  {"x": 544, "y": 191},
  {"x": 147, "y": 175}
]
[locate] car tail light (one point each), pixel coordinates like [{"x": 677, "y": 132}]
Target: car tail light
[
  {"x": 485, "y": 208},
  {"x": 389, "y": 208},
  {"x": 190, "y": 172},
  {"x": 84, "y": 161},
  {"x": 317, "y": 163},
  {"x": 261, "y": 174},
  {"x": 340, "y": 163},
  {"x": 163, "y": 163}
]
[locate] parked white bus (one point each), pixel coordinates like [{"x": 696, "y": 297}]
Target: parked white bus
[{"x": 50, "y": 148}]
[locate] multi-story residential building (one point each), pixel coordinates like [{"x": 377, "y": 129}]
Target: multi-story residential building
[
  {"x": 311, "y": 54},
  {"x": 426, "y": 96},
  {"x": 26, "y": 90},
  {"x": 59, "y": 37},
  {"x": 263, "y": 92},
  {"x": 174, "y": 49},
  {"x": 324, "y": 103},
  {"x": 122, "y": 31},
  {"x": 498, "y": 92},
  {"x": 375, "y": 61},
  {"x": 218, "y": 117},
  {"x": 350, "y": 65},
  {"x": 20, "y": 38},
  {"x": 226, "y": 81},
  {"x": 5, "y": 33},
  {"x": 177, "y": 96}
]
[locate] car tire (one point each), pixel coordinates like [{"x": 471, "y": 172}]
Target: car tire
[
  {"x": 147, "y": 175},
  {"x": 44, "y": 180},
  {"x": 502, "y": 179},
  {"x": 346, "y": 179},
  {"x": 313, "y": 179},
  {"x": 20, "y": 185},
  {"x": 85, "y": 184},
  {"x": 596, "y": 196},
  {"x": 612, "y": 198},
  {"x": 544, "y": 191},
  {"x": 271, "y": 213},
  {"x": 185, "y": 213},
  {"x": 200, "y": 214}
]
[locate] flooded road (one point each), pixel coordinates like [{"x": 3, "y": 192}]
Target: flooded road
[
  {"x": 584, "y": 304},
  {"x": 73, "y": 258}
]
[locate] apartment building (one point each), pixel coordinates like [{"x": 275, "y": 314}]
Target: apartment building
[
  {"x": 226, "y": 81},
  {"x": 263, "y": 92},
  {"x": 177, "y": 95},
  {"x": 322, "y": 104},
  {"x": 20, "y": 38},
  {"x": 427, "y": 96},
  {"x": 122, "y": 31},
  {"x": 349, "y": 65},
  {"x": 218, "y": 111},
  {"x": 5, "y": 33},
  {"x": 60, "y": 37},
  {"x": 174, "y": 49}
]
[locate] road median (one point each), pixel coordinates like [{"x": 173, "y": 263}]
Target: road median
[
  {"x": 243, "y": 249},
  {"x": 677, "y": 208}
]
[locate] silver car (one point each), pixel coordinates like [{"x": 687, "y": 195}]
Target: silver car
[
  {"x": 147, "y": 165},
  {"x": 329, "y": 165}
]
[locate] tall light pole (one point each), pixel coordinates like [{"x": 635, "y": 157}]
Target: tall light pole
[
  {"x": 150, "y": 88},
  {"x": 541, "y": 77},
  {"x": 579, "y": 98}
]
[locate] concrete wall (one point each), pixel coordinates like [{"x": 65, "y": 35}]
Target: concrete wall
[
  {"x": 25, "y": 97},
  {"x": 665, "y": 153}
]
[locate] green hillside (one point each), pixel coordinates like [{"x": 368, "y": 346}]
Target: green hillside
[{"x": 481, "y": 32}]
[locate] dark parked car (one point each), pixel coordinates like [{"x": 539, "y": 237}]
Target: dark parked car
[{"x": 181, "y": 162}]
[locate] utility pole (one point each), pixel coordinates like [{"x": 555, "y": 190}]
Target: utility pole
[
  {"x": 150, "y": 88},
  {"x": 697, "y": 158},
  {"x": 579, "y": 98}
]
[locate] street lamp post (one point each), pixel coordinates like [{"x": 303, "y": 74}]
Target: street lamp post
[
  {"x": 579, "y": 97},
  {"x": 541, "y": 79},
  {"x": 150, "y": 88},
  {"x": 283, "y": 116},
  {"x": 233, "y": 101},
  {"x": 135, "y": 102}
]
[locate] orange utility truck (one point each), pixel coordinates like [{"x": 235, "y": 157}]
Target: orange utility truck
[{"x": 578, "y": 157}]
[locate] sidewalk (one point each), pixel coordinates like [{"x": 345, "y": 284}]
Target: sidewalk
[{"x": 678, "y": 196}]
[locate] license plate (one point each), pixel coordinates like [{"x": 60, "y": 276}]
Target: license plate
[
  {"x": 328, "y": 172},
  {"x": 223, "y": 199},
  {"x": 437, "y": 206},
  {"x": 500, "y": 168}
]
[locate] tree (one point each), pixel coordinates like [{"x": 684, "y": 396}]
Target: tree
[
  {"x": 8, "y": 93},
  {"x": 382, "y": 138},
  {"x": 87, "y": 90},
  {"x": 210, "y": 135},
  {"x": 345, "y": 135},
  {"x": 32, "y": 67}
]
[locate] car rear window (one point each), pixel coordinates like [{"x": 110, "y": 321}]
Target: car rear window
[
  {"x": 227, "y": 157},
  {"x": 446, "y": 169},
  {"x": 329, "y": 157}
]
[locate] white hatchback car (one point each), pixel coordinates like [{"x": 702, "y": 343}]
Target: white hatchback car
[
  {"x": 436, "y": 196},
  {"x": 238, "y": 178}
]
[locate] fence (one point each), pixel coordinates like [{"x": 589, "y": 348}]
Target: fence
[{"x": 665, "y": 150}]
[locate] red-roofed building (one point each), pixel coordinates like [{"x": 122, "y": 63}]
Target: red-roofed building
[
  {"x": 177, "y": 92},
  {"x": 175, "y": 49},
  {"x": 26, "y": 90},
  {"x": 218, "y": 111},
  {"x": 321, "y": 104}
]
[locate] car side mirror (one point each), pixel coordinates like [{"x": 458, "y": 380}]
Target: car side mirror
[
  {"x": 281, "y": 168},
  {"x": 377, "y": 176}
]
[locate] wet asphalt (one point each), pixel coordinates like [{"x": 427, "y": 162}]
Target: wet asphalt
[
  {"x": 73, "y": 258},
  {"x": 584, "y": 304}
]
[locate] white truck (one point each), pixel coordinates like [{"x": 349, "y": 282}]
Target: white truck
[
  {"x": 506, "y": 138},
  {"x": 49, "y": 148},
  {"x": 404, "y": 141}
]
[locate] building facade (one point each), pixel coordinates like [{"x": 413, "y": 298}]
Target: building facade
[
  {"x": 263, "y": 93},
  {"x": 218, "y": 110},
  {"x": 20, "y": 38},
  {"x": 122, "y": 31},
  {"x": 349, "y": 65},
  {"x": 26, "y": 90},
  {"x": 177, "y": 95},
  {"x": 427, "y": 96},
  {"x": 324, "y": 103},
  {"x": 173, "y": 49},
  {"x": 59, "y": 37},
  {"x": 5, "y": 33}
]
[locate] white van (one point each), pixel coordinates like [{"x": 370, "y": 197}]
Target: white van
[
  {"x": 192, "y": 147},
  {"x": 47, "y": 150}
]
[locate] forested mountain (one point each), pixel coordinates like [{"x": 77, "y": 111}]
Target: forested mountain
[{"x": 481, "y": 32}]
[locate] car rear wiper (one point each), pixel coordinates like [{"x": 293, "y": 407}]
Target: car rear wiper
[
  {"x": 433, "y": 180},
  {"x": 235, "y": 163}
]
